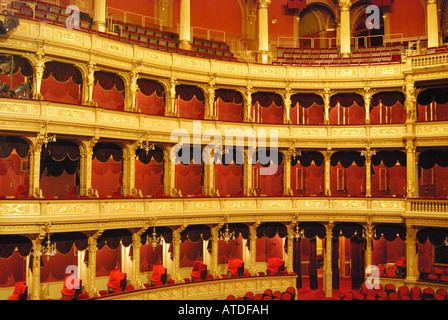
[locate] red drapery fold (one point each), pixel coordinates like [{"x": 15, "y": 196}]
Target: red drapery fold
[
  {"x": 12, "y": 269},
  {"x": 189, "y": 178},
  {"x": 151, "y": 97},
  {"x": 107, "y": 259},
  {"x": 54, "y": 268},
  {"x": 8, "y": 144},
  {"x": 150, "y": 256},
  {"x": 108, "y": 91},
  {"x": 148, "y": 177},
  {"x": 229, "y": 179},
  {"x": 190, "y": 252}
]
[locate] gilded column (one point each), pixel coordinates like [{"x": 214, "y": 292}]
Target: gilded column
[
  {"x": 411, "y": 254},
  {"x": 91, "y": 251},
  {"x": 39, "y": 68},
  {"x": 210, "y": 111},
  {"x": 85, "y": 167},
  {"x": 136, "y": 245},
  {"x": 327, "y": 172},
  {"x": 209, "y": 173},
  {"x": 214, "y": 268},
  {"x": 263, "y": 34},
  {"x": 176, "y": 255},
  {"x": 99, "y": 15},
  {"x": 287, "y": 172},
  {"x": 368, "y": 156},
  {"x": 326, "y": 97},
  {"x": 328, "y": 270},
  {"x": 184, "y": 24},
  {"x": 247, "y": 173},
  {"x": 369, "y": 237},
  {"x": 290, "y": 245},
  {"x": 132, "y": 91},
  {"x": 287, "y": 105},
  {"x": 411, "y": 169},
  {"x": 344, "y": 6},
  {"x": 169, "y": 171},
  {"x": 432, "y": 23},
  {"x": 247, "y": 95},
  {"x": 34, "y": 173},
  {"x": 253, "y": 248},
  {"x": 90, "y": 82},
  {"x": 367, "y": 102},
  {"x": 35, "y": 287},
  {"x": 411, "y": 104},
  {"x": 129, "y": 170},
  {"x": 170, "y": 104}
]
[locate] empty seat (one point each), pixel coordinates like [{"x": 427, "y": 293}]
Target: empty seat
[
  {"x": 199, "y": 271},
  {"x": 117, "y": 280},
  {"x": 159, "y": 273},
  {"x": 235, "y": 267},
  {"x": 275, "y": 266},
  {"x": 20, "y": 291}
]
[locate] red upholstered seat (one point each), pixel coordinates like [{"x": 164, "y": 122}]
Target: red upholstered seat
[
  {"x": 389, "y": 287},
  {"x": 393, "y": 296},
  {"x": 117, "y": 280},
  {"x": 22, "y": 192},
  {"x": 20, "y": 291},
  {"x": 199, "y": 271},
  {"x": 235, "y": 267},
  {"x": 403, "y": 291},
  {"x": 275, "y": 265},
  {"x": 159, "y": 273},
  {"x": 75, "y": 288}
]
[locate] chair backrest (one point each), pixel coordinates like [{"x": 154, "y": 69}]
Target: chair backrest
[
  {"x": 197, "y": 265},
  {"x": 158, "y": 269},
  {"x": 274, "y": 262},
  {"x": 235, "y": 263},
  {"x": 116, "y": 275},
  {"x": 20, "y": 287}
]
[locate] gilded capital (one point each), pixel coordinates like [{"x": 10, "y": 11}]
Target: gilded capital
[
  {"x": 264, "y": 3},
  {"x": 345, "y": 5}
]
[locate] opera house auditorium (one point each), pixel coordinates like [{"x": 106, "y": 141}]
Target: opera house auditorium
[{"x": 239, "y": 150}]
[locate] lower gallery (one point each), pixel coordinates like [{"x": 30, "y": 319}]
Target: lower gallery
[{"x": 141, "y": 162}]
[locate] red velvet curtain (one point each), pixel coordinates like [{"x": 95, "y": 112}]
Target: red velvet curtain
[
  {"x": 232, "y": 249},
  {"x": 150, "y": 256},
  {"x": 12, "y": 174},
  {"x": 13, "y": 269},
  {"x": 62, "y": 83},
  {"x": 388, "y": 108},
  {"x": 107, "y": 259},
  {"x": 270, "y": 185},
  {"x": 307, "y": 109},
  {"x": 229, "y": 179},
  {"x": 335, "y": 263},
  {"x": 108, "y": 91},
  {"x": 229, "y": 105},
  {"x": 269, "y": 248},
  {"x": 54, "y": 268},
  {"x": 267, "y": 108},
  {"x": 190, "y": 252},
  {"x": 106, "y": 176},
  {"x": 297, "y": 261},
  {"x": 151, "y": 97},
  {"x": 189, "y": 178},
  {"x": 190, "y": 101},
  {"x": 148, "y": 177}
]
